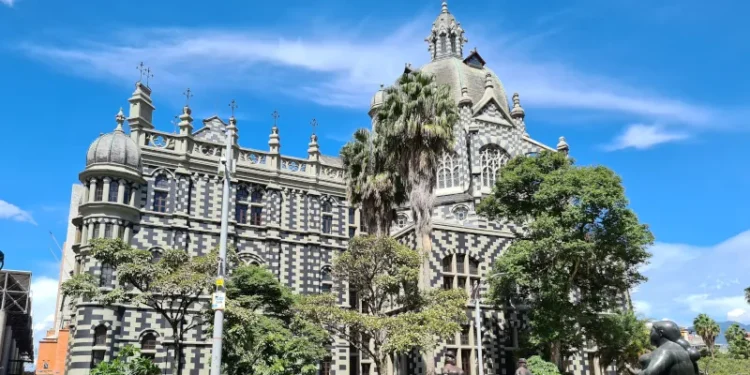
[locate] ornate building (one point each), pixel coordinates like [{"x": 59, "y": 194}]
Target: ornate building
[{"x": 160, "y": 190}]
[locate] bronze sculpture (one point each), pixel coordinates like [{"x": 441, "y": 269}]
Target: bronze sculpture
[{"x": 673, "y": 354}]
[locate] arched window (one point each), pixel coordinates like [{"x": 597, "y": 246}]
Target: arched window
[
  {"x": 128, "y": 193},
  {"x": 491, "y": 158},
  {"x": 453, "y": 43},
  {"x": 114, "y": 188},
  {"x": 161, "y": 193},
  {"x": 148, "y": 346},
  {"x": 326, "y": 280},
  {"x": 241, "y": 207},
  {"x": 447, "y": 176},
  {"x": 327, "y": 219},
  {"x": 100, "y": 335},
  {"x": 257, "y": 196},
  {"x": 242, "y": 194},
  {"x": 443, "y": 44},
  {"x": 148, "y": 341}
]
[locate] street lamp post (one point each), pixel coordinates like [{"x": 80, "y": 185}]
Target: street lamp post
[
  {"x": 478, "y": 328},
  {"x": 219, "y": 295}
]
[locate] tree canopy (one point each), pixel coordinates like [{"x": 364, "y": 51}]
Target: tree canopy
[
  {"x": 579, "y": 251},
  {"x": 263, "y": 334},
  {"x": 170, "y": 284},
  {"x": 739, "y": 345},
  {"x": 127, "y": 362},
  {"x": 620, "y": 338},
  {"x": 395, "y": 316}
]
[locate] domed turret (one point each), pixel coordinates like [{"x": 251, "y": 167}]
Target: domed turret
[
  {"x": 114, "y": 149},
  {"x": 377, "y": 100}
]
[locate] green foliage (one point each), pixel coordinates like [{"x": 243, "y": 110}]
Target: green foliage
[
  {"x": 397, "y": 316},
  {"x": 263, "y": 334},
  {"x": 539, "y": 366},
  {"x": 581, "y": 237},
  {"x": 739, "y": 346},
  {"x": 620, "y": 338},
  {"x": 171, "y": 285},
  {"x": 127, "y": 362},
  {"x": 372, "y": 181},
  {"x": 707, "y": 329},
  {"x": 722, "y": 364}
]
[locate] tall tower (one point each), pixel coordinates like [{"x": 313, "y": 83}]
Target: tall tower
[{"x": 447, "y": 37}]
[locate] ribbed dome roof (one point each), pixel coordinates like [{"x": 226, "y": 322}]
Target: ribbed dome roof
[
  {"x": 378, "y": 98},
  {"x": 457, "y": 74},
  {"x": 114, "y": 148}
]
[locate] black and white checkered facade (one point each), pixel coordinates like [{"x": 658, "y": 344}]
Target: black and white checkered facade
[{"x": 170, "y": 197}]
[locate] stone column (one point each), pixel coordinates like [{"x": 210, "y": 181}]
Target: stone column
[
  {"x": 121, "y": 191},
  {"x": 128, "y": 233},
  {"x": 105, "y": 191},
  {"x": 136, "y": 196},
  {"x": 92, "y": 190},
  {"x": 85, "y": 234},
  {"x": 86, "y": 193}
]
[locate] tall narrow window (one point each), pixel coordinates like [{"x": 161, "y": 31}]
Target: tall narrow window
[
  {"x": 257, "y": 196},
  {"x": 108, "y": 231},
  {"x": 443, "y": 44},
  {"x": 95, "y": 234},
  {"x": 128, "y": 192},
  {"x": 161, "y": 193},
  {"x": 352, "y": 213},
  {"x": 453, "y": 43},
  {"x": 107, "y": 276},
  {"x": 100, "y": 335},
  {"x": 447, "y": 172},
  {"x": 326, "y": 280},
  {"x": 256, "y": 214},
  {"x": 240, "y": 213},
  {"x": 99, "y": 192},
  {"x": 325, "y": 366},
  {"x": 327, "y": 219},
  {"x": 114, "y": 189},
  {"x": 491, "y": 158}
]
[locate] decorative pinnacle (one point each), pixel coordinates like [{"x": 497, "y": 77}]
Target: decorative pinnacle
[
  {"x": 233, "y": 106},
  {"x": 188, "y": 94},
  {"x": 275, "y": 116},
  {"x": 142, "y": 69},
  {"x": 488, "y": 81},
  {"x": 314, "y": 124},
  {"x": 120, "y": 118},
  {"x": 562, "y": 144},
  {"x": 444, "y": 7}
]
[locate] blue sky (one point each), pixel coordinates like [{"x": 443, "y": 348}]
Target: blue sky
[{"x": 656, "y": 91}]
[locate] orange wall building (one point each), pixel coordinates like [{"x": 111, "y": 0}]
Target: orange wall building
[{"x": 52, "y": 353}]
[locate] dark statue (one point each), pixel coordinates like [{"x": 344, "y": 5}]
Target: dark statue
[
  {"x": 673, "y": 354},
  {"x": 521, "y": 368},
  {"x": 450, "y": 367}
]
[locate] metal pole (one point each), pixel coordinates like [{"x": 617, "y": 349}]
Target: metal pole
[
  {"x": 219, "y": 313},
  {"x": 478, "y": 328}
]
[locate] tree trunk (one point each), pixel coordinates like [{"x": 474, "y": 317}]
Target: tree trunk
[
  {"x": 177, "y": 358},
  {"x": 556, "y": 355}
]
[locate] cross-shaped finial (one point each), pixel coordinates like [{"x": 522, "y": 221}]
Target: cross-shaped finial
[
  {"x": 314, "y": 124},
  {"x": 142, "y": 69},
  {"x": 188, "y": 94},
  {"x": 233, "y": 106},
  {"x": 148, "y": 75},
  {"x": 275, "y": 116}
]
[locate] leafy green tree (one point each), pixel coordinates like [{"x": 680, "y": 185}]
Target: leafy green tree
[
  {"x": 582, "y": 240},
  {"x": 707, "y": 329},
  {"x": 171, "y": 285},
  {"x": 396, "y": 316},
  {"x": 739, "y": 346},
  {"x": 620, "y": 338},
  {"x": 372, "y": 181},
  {"x": 416, "y": 122},
  {"x": 747, "y": 294},
  {"x": 723, "y": 364},
  {"x": 263, "y": 334},
  {"x": 539, "y": 366},
  {"x": 127, "y": 362}
]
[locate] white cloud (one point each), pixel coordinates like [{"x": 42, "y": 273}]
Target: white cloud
[
  {"x": 12, "y": 212},
  {"x": 686, "y": 280},
  {"x": 7, "y": 2},
  {"x": 345, "y": 69},
  {"x": 44, "y": 303},
  {"x": 641, "y": 137}
]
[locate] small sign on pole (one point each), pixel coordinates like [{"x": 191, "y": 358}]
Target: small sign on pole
[
  {"x": 218, "y": 302},
  {"x": 220, "y": 282}
]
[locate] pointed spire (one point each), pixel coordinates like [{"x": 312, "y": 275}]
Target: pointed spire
[
  {"x": 465, "y": 99},
  {"x": 517, "y": 112},
  {"x": 563, "y": 146},
  {"x": 273, "y": 140},
  {"x": 444, "y": 7},
  {"x": 120, "y": 118},
  {"x": 313, "y": 150},
  {"x": 446, "y": 38}
]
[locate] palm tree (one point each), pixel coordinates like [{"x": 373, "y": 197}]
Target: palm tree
[
  {"x": 416, "y": 125},
  {"x": 372, "y": 183},
  {"x": 707, "y": 329}
]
